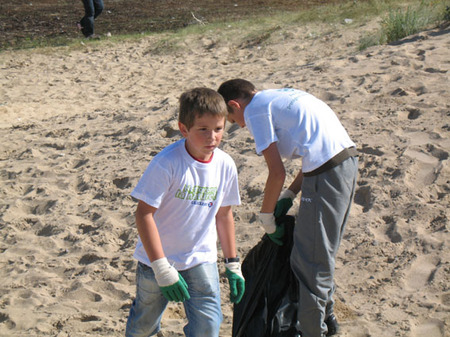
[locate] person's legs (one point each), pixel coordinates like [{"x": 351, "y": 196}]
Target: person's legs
[
  {"x": 203, "y": 308},
  {"x": 324, "y": 208},
  {"x": 147, "y": 309},
  {"x": 347, "y": 174},
  {"x": 98, "y": 5},
  {"x": 87, "y": 22}
]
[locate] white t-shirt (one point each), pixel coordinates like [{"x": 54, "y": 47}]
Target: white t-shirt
[
  {"x": 188, "y": 195},
  {"x": 301, "y": 124}
]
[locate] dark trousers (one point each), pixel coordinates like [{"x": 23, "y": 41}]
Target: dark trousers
[{"x": 92, "y": 9}]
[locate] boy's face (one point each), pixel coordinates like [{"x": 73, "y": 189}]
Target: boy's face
[{"x": 204, "y": 136}]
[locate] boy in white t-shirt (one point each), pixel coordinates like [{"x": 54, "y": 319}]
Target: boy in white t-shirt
[
  {"x": 185, "y": 197},
  {"x": 292, "y": 124}
]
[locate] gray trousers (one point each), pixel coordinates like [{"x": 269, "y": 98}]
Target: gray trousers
[{"x": 324, "y": 209}]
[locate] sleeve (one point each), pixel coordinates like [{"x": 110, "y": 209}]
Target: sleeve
[
  {"x": 231, "y": 186},
  {"x": 153, "y": 184},
  {"x": 261, "y": 126}
]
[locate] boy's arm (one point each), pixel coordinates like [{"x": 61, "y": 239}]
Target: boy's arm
[
  {"x": 275, "y": 179},
  {"x": 296, "y": 185},
  {"x": 226, "y": 231},
  {"x": 148, "y": 232},
  {"x": 272, "y": 190},
  {"x": 286, "y": 199},
  {"x": 171, "y": 283}
]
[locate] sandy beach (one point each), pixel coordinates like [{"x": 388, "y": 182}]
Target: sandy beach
[{"x": 79, "y": 126}]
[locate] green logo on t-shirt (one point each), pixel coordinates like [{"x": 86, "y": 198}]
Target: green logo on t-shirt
[{"x": 197, "y": 193}]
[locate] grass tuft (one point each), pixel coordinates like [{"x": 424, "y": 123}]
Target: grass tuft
[{"x": 400, "y": 23}]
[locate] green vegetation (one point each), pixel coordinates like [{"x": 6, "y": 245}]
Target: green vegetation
[
  {"x": 400, "y": 23},
  {"x": 399, "y": 18}
]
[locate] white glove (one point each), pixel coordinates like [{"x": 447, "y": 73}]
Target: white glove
[
  {"x": 172, "y": 284},
  {"x": 287, "y": 194},
  {"x": 165, "y": 274},
  {"x": 268, "y": 222},
  {"x": 235, "y": 267}
]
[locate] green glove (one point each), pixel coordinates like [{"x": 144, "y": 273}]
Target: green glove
[
  {"x": 172, "y": 284},
  {"x": 284, "y": 203},
  {"x": 277, "y": 236},
  {"x": 236, "y": 281},
  {"x": 176, "y": 292},
  {"x": 273, "y": 231}
]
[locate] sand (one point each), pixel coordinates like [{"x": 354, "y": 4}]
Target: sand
[{"x": 79, "y": 126}]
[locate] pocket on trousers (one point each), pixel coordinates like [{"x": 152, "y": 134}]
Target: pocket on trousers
[
  {"x": 147, "y": 287},
  {"x": 204, "y": 281}
]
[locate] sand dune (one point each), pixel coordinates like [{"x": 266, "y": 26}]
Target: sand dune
[{"x": 78, "y": 128}]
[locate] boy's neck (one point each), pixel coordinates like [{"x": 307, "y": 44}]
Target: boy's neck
[
  {"x": 203, "y": 161},
  {"x": 247, "y": 101}
]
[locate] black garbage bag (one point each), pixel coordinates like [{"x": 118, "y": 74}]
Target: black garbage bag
[{"x": 269, "y": 305}]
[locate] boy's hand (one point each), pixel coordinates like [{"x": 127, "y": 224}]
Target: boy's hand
[
  {"x": 176, "y": 292},
  {"x": 284, "y": 203},
  {"x": 277, "y": 236},
  {"x": 236, "y": 281},
  {"x": 274, "y": 232},
  {"x": 172, "y": 284},
  {"x": 267, "y": 220}
]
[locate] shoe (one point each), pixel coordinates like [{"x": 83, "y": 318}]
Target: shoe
[
  {"x": 81, "y": 29},
  {"x": 332, "y": 324},
  {"x": 93, "y": 37}
]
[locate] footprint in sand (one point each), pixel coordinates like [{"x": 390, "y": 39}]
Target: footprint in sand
[
  {"x": 430, "y": 328},
  {"x": 413, "y": 113},
  {"x": 421, "y": 273},
  {"x": 392, "y": 229},
  {"x": 41, "y": 207},
  {"x": 424, "y": 168},
  {"x": 6, "y": 320},
  {"x": 50, "y": 230},
  {"x": 364, "y": 198},
  {"x": 122, "y": 183},
  {"x": 419, "y": 276}
]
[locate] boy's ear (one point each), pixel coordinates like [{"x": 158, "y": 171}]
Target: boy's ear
[
  {"x": 183, "y": 129},
  {"x": 233, "y": 104}
]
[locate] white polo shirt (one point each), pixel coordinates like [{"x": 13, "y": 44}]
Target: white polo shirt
[{"x": 301, "y": 124}]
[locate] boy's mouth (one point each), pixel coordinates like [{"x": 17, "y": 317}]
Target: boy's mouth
[{"x": 211, "y": 147}]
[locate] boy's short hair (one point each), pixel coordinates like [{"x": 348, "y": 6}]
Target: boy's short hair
[
  {"x": 198, "y": 102},
  {"x": 235, "y": 89}
]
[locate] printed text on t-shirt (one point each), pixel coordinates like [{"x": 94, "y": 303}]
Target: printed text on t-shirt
[{"x": 196, "y": 193}]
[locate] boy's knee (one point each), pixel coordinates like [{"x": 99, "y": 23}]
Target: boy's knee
[
  {"x": 98, "y": 6},
  {"x": 141, "y": 329},
  {"x": 98, "y": 10},
  {"x": 207, "y": 329}
]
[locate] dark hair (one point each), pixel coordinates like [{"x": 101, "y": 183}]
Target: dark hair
[
  {"x": 198, "y": 102},
  {"x": 236, "y": 88}
]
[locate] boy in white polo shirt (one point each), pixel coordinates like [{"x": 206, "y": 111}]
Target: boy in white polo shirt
[
  {"x": 292, "y": 124},
  {"x": 185, "y": 198}
]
